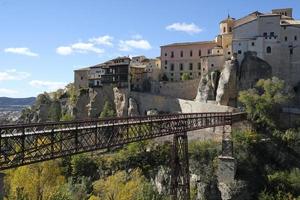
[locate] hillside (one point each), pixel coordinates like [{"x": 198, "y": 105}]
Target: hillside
[{"x": 6, "y": 101}]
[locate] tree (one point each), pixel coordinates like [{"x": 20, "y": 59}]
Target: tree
[
  {"x": 37, "y": 181},
  {"x": 108, "y": 110},
  {"x": 185, "y": 76},
  {"x": 262, "y": 103},
  {"x": 83, "y": 166}
]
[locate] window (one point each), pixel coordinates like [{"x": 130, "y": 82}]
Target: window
[
  {"x": 166, "y": 54},
  {"x": 229, "y": 52},
  {"x": 191, "y": 74},
  {"x": 265, "y": 35},
  {"x": 172, "y": 74},
  {"x": 166, "y": 62},
  {"x": 172, "y": 67},
  {"x": 291, "y": 51},
  {"x": 269, "y": 50},
  {"x": 199, "y": 73},
  {"x": 166, "y": 67},
  {"x": 239, "y": 44},
  {"x": 224, "y": 29},
  {"x": 295, "y": 38},
  {"x": 239, "y": 52},
  {"x": 81, "y": 77},
  {"x": 272, "y": 34},
  {"x": 218, "y": 51},
  {"x": 253, "y": 44},
  {"x": 199, "y": 52},
  {"x": 181, "y": 66},
  {"x": 284, "y": 27},
  {"x": 199, "y": 66},
  {"x": 191, "y": 53},
  {"x": 181, "y": 74},
  {"x": 212, "y": 65},
  {"x": 230, "y": 29},
  {"x": 208, "y": 51},
  {"x": 181, "y": 53},
  {"x": 191, "y": 66},
  {"x": 285, "y": 38},
  {"x": 171, "y": 79},
  {"x": 172, "y": 54}
]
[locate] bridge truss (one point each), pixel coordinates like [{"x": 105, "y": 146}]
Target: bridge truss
[{"x": 23, "y": 144}]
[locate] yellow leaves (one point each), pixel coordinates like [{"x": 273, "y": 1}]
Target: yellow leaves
[
  {"x": 120, "y": 186},
  {"x": 39, "y": 181}
]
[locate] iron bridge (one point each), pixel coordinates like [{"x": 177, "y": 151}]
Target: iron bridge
[{"x": 22, "y": 144}]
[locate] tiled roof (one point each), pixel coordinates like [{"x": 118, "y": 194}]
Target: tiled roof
[
  {"x": 190, "y": 43},
  {"x": 247, "y": 19}
]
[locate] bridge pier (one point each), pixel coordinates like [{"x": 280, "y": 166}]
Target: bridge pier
[
  {"x": 180, "y": 175},
  {"x": 2, "y": 186},
  {"x": 227, "y": 164}
]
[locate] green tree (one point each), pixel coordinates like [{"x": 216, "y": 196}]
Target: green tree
[
  {"x": 185, "y": 76},
  {"x": 108, "y": 110},
  {"x": 84, "y": 166},
  {"x": 262, "y": 103}
]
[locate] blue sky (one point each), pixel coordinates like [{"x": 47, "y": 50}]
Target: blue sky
[{"x": 43, "y": 41}]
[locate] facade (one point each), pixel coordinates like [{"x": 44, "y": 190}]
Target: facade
[
  {"x": 198, "y": 58},
  {"x": 180, "y": 58},
  {"x": 273, "y": 37},
  {"x": 115, "y": 71},
  {"x": 143, "y": 71}
]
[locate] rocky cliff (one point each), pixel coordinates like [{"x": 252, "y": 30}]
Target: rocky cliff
[{"x": 234, "y": 77}]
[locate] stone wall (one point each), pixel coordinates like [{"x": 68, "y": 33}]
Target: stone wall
[
  {"x": 181, "y": 89},
  {"x": 174, "y": 105}
]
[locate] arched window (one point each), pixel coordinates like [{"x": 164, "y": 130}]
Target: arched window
[
  {"x": 224, "y": 29},
  {"x": 230, "y": 29},
  {"x": 269, "y": 50}
]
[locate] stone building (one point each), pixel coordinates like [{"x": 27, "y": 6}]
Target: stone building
[
  {"x": 180, "y": 58},
  {"x": 273, "y": 37},
  {"x": 198, "y": 58},
  {"x": 143, "y": 71},
  {"x": 115, "y": 71}
]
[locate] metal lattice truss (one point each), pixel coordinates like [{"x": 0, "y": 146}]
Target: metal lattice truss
[
  {"x": 23, "y": 144},
  {"x": 180, "y": 176}
]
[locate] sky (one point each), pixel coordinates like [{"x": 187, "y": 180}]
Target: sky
[{"x": 43, "y": 41}]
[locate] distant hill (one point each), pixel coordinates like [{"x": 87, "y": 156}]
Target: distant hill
[{"x": 6, "y": 101}]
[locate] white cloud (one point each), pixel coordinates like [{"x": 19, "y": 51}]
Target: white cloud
[
  {"x": 47, "y": 85},
  {"x": 7, "y": 92},
  {"x": 137, "y": 37},
  {"x": 64, "y": 50},
  {"x": 21, "y": 50},
  {"x": 184, "y": 27},
  {"x": 102, "y": 40},
  {"x": 13, "y": 74},
  {"x": 128, "y": 45},
  {"x": 79, "y": 47}
]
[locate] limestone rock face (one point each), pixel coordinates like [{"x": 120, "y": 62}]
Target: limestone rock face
[
  {"x": 207, "y": 87},
  {"x": 120, "y": 101},
  {"x": 251, "y": 70},
  {"x": 132, "y": 108},
  {"x": 81, "y": 109},
  {"x": 152, "y": 112},
  {"x": 162, "y": 180},
  {"x": 227, "y": 87}
]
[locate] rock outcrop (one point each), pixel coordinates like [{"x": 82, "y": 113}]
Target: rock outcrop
[
  {"x": 227, "y": 87},
  {"x": 133, "y": 108},
  {"x": 120, "y": 101},
  {"x": 208, "y": 86},
  {"x": 251, "y": 70}
]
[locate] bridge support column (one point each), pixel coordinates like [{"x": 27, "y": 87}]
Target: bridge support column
[
  {"x": 180, "y": 175},
  {"x": 2, "y": 186},
  {"x": 227, "y": 165}
]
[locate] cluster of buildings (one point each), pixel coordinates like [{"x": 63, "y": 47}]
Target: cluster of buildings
[{"x": 273, "y": 37}]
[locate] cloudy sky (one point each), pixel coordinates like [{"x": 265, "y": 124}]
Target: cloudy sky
[{"x": 43, "y": 41}]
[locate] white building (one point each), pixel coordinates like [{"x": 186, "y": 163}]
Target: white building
[{"x": 275, "y": 37}]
